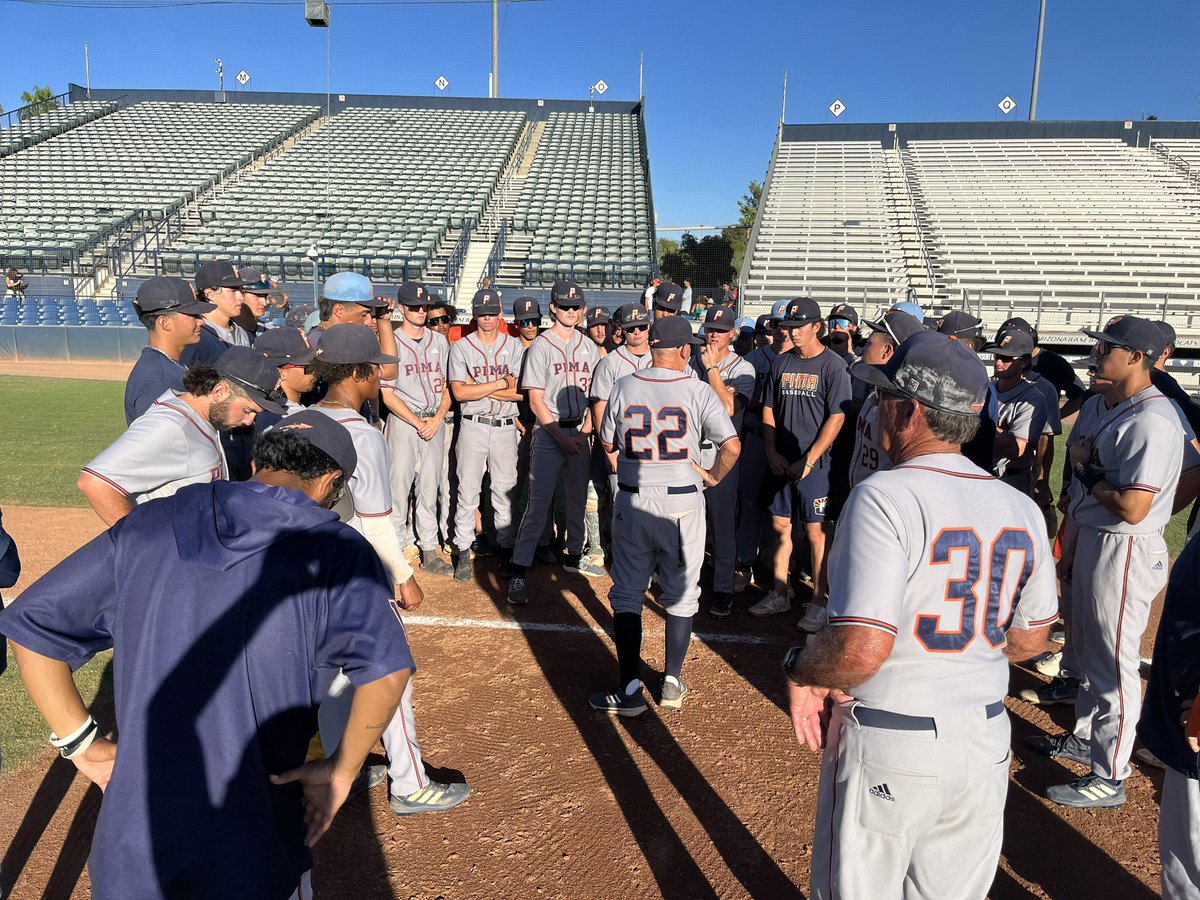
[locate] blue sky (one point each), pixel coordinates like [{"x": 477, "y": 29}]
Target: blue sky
[{"x": 713, "y": 69}]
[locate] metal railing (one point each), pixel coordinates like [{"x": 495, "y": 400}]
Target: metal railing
[
  {"x": 1176, "y": 162},
  {"x": 496, "y": 255},
  {"x": 926, "y": 261},
  {"x": 288, "y": 265},
  {"x": 458, "y": 255},
  {"x": 598, "y": 273}
]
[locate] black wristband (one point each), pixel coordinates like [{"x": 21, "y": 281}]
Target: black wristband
[{"x": 1087, "y": 476}]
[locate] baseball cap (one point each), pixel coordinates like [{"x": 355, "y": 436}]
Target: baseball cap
[
  {"x": 256, "y": 283},
  {"x": 961, "y": 324},
  {"x": 779, "y": 309},
  {"x": 598, "y": 315},
  {"x": 485, "y": 303},
  {"x": 566, "y": 293},
  {"x": 719, "y": 318},
  {"x": 1168, "y": 333},
  {"x": 745, "y": 325},
  {"x": 326, "y": 434},
  {"x": 1022, "y": 325},
  {"x": 525, "y": 308},
  {"x": 672, "y": 331},
  {"x": 668, "y": 296},
  {"x": 913, "y": 309},
  {"x": 933, "y": 370},
  {"x": 219, "y": 273},
  {"x": 763, "y": 323},
  {"x": 801, "y": 311},
  {"x": 250, "y": 371},
  {"x": 297, "y": 314},
  {"x": 167, "y": 294},
  {"x": 1132, "y": 333},
  {"x": 631, "y": 314},
  {"x": 1012, "y": 343},
  {"x": 285, "y": 347},
  {"x": 899, "y": 324},
  {"x": 352, "y": 343},
  {"x": 844, "y": 311},
  {"x": 350, "y": 287},
  {"x": 413, "y": 293}
]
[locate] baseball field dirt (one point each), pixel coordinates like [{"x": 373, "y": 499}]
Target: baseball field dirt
[{"x": 713, "y": 800}]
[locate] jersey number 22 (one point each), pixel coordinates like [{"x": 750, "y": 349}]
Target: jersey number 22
[{"x": 635, "y": 433}]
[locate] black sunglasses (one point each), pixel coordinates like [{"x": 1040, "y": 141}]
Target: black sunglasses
[
  {"x": 273, "y": 396},
  {"x": 438, "y": 320},
  {"x": 635, "y": 327}
]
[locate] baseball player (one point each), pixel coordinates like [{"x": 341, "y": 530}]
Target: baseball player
[
  {"x": 349, "y": 364},
  {"x": 599, "y": 329},
  {"x": 743, "y": 341},
  {"x": 1126, "y": 451},
  {"x": 892, "y": 329},
  {"x": 255, "y": 300},
  {"x": 173, "y": 318},
  {"x": 484, "y": 367},
  {"x": 965, "y": 328},
  {"x": 732, "y": 380},
  {"x": 904, "y": 692},
  {"x": 668, "y": 299},
  {"x": 418, "y": 402},
  {"x": 556, "y": 377},
  {"x": 654, "y": 422},
  {"x": 527, "y": 322},
  {"x": 1022, "y": 412},
  {"x": 843, "y": 331},
  {"x": 288, "y": 350},
  {"x": 1053, "y": 368},
  {"x": 175, "y": 442},
  {"x": 804, "y": 408},
  {"x": 439, "y": 318},
  {"x": 598, "y": 509}
]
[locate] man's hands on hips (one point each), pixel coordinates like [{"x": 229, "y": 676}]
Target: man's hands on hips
[
  {"x": 96, "y": 762},
  {"x": 325, "y": 790}
]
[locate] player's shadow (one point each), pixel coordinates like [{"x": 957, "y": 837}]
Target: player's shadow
[{"x": 672, "y": 863}]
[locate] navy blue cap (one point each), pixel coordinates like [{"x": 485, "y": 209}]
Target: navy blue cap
[
  {"x": 672, "y": 331},
  {"x": 800, "y": 312},
  {"x": 719, "y": 318},
  {"x": 668, "y": 296},
  {"x": 1168, "y": 332},
  {"x": 597, "y": 315},
  {"x": 933, "y": 370},
  {"x": 297, "y": 314},
  {"x": 486, "y": 303},
  {"x": 844, "y": 311},
  {"x": 413, "y": 293},
  {"x": 256, "y": 282},
  {"x": 218, "y": 273},
  {"x": 1022, "y": 325},
  {"x": 962, "y": 325},
  {"x": 167, "y": 294},
  {"x": 1132, "y": 333},
  {"x": 252, "y": 373},
  {"x": 897, "y": 323},
  {"x": 763, "y": 323},
  {"x": 566, "y": 293},
  {"x": 1012, "y": 343},
  {"x": 326, "y": 434},
  {"x": 352, "y": 343},
  {"x": 631, "y": 314},
  {"x": 526, "y": 308},
  {"x": 285, "y": 346}
]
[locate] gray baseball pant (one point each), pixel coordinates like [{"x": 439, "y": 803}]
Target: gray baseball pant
[
  {"x": 1113, "y": 582},
  {"x": 1179, "y": 836},
  {"x": 494, "y": 450},
  {"x": 448, "y": 491},
  {"x": 525, "y": 442},
  {"x": 546, "y": 460},
  {"x": 413, "y": 461},
  {"x": 656, "y": 531},
  {"x": 910, "y": 814}
]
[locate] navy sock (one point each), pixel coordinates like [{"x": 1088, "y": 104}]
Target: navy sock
[
  {"x": 627, "y": 635},
  {"x": 679, "y": 633}
]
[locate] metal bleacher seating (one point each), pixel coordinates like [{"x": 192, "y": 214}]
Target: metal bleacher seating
[
  {"x": 372, "y": 187},
  {"x": 67, "y": 312},
  {"x": 52, "y": 122},
  {"x": 66, "y": 192},
  {"x": 585, "y": 197}
]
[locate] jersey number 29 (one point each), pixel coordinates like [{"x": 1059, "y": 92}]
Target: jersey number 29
[
  {"x": 957, "y": 544},
  {"x": 634, "y": 433}
]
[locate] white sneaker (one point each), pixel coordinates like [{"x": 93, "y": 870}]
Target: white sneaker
[
  {"x": 814, "y": 619},
  {"x": 1049, "y": 664},
  {"x": 773, "y": 603}
]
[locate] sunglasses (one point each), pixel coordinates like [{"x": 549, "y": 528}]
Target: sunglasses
[
  {"x": 1103, "y": 348},
  {"x": 635, "y": 327},
  {"x": 273, "y": 396},
  {"x": 567, "y": 308},
  {"x": 840, "y": 323},
  {"x": 438, "y": 320},
  {"x": 528, "y": 323}
]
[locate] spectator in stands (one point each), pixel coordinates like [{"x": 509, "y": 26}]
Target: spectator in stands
[
  {"x": 729, "y": 295},
  {"x": 700, "y": 309},
  {"x": 686, "y": 309},
  {"x": 15, "y": 283},
  {"x": 255, "y": 301},
  {"x": 648, "y": 294},
  {"x": 173, "y": 318}
]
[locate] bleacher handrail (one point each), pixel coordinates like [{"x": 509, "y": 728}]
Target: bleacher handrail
[
  {"x": 60, "y": 100},
  {"x": 458, "y": 255},
  {"x": 926, "y": 261},
  {"x": 496, "y": 254}
]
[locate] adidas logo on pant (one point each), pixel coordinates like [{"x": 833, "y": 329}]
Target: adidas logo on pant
[{"x": 881, "y": 791}]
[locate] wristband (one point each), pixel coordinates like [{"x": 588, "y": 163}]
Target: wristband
[
  {"x": 710, "y": 368},
  {"x": 1087, "y": 476},
  {"x": 789, "y": 661},
  {"x": 78, "y": 741}
]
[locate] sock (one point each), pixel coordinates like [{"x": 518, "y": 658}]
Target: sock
[
  {"x": 627, "y": 635},
  {"x": 679, "y": 633}
]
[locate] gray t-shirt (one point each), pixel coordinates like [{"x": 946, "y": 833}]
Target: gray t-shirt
[
  {"x": 563, "y": 371},
  {"x": 614, "y": 367},
  {"x": 1022, "y": 414},
  {"x": 738, "y": 374},
  {"x": 474, "y": 362},
  {"x": 421, "y": 377},
  {"x": 957, "y": 558}
]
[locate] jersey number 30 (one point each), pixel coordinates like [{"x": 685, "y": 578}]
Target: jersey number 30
[
  {"x": 634, "y": 433},
  {"x": 957, "y": 544}
]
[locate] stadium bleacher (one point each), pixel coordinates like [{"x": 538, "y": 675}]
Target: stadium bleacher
[{"x": 49, "y": 123}]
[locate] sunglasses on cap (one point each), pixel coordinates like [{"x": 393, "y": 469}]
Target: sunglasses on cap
[
  {"x": 274, "y": 396},
  {"x": 438, "y": 320}
]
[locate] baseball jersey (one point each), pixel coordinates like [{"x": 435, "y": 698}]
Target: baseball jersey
[
  {"x": 656, "y": 420},
  {"x": 738, "y": 374},
  {"x": 613, "y": 367},
  {"x": 221, "y": 633},
  {"x": 762, "y": 359},
  {"x": 563, "y": 371},
  {"x": 1051, "y": 401},
  {"x": 214, "y": 341},
  {"x": 802, "y": 394},
  {"x": 1022, "y": 414},
  {"x": 152, "y": 374},
  {"x": 957, "y": 558},
  {"x": 369, "y": 489},
  {"x": 868, "y": 454},
  {"x": 169, "y": 446},
  {"x": 421, "y": 379},
  {"x": 1138, "y": 443},
  {"x": 471, "y": 360}
]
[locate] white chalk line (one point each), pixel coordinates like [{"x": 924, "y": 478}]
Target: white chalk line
[{"x": 562, "y": 628}]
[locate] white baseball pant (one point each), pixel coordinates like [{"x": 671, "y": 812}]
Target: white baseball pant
[
  {"x": 413, "y": 461},
  {"x": 485, "y": 448}
]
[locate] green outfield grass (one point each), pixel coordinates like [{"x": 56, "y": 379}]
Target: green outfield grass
[{"x": 49, "y": 428}]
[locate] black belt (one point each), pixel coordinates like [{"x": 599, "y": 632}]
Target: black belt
[
  {"x": 671, "y": 489},
  {"x": 881, "y": 718},
  {"x": 570, "y": 423},
  {"x": 706, "y": 445},
  {"x": 488, "y": 420},
  {"x": 424, "y": 413}
]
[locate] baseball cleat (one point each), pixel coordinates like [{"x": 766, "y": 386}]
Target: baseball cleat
[
  {"x": 1058, "y": 636},
  {"x": 673, "y": 692},
  {"x": 742, "y": 578},
  {"x": 369, "y": 777},
  {"x": 545, "y": 554},
  {"x": 434, "y": 797},
  {"x": 814, "y": 619},
  {"x": 482, "y": 546},
  {"x": 434, "y": 564},
  {"x": 583, "y": 565},
  {"x": 517, "y": 594},
  {"x": 462, "y": 567},
  {"x": 617, "y": 702},
  {"x": 1065, "y": 745},
  {"x": 721, "y": 604},
  {"x": 1049, "y": 664},
  {"x": 1091, "y": 791},
  {"x": 771, "y": 604},
  {"x": 1145, "y": 757},
  {"x": 1059, "y": 692}
]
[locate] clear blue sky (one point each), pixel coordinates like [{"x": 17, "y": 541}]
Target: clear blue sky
[{"x": 713, "y": 69}]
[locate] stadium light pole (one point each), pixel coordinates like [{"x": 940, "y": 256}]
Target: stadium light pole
[
  {"x": 1037, "y": 63},
  {"x": 495, "y": 83}
]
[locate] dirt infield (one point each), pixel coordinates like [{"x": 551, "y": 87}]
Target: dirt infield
[
  {"x": 88, "y": 371},
  {"x": 715, "y": 800}
]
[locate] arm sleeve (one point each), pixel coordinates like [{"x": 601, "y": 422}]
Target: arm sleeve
[
  {"x": 381, "y": 534},
  {"x": 602, "y": 382},
  {"x": 152, "y": 452},
  {"x": 608, "y": 425},
  {"x": 871, "y": 528}
]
